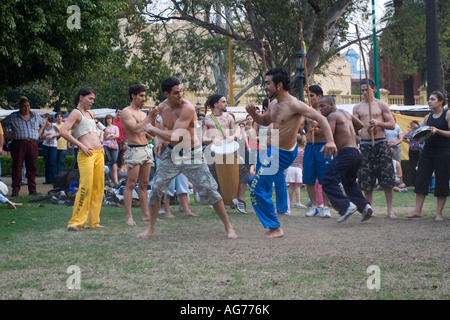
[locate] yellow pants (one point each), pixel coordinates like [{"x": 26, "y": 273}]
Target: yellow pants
[{"x": 88, "y": 202}]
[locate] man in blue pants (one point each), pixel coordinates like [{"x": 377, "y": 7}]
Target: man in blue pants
[
  {"x": 344, "y": 167},
  {"x": 285, "y": 112}
]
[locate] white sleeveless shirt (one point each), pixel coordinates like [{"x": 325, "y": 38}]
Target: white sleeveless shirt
[{"x": 85, "y": 126}]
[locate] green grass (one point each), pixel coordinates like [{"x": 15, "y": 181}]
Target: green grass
[{"x": 190, "y": 258}]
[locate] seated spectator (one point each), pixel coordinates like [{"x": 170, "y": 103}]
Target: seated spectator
[{"x": 400, "y": 186}]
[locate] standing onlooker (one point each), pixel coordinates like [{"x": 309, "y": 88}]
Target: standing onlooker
[
  {"x": 394, "y": 139},
  {"x": 49, "y": 148},
  {"x": 91, "y": 164},
  {"x": 414, "y": 150},
  {"x": 315, "y": 163},
  {"x": 435, "y": 156},
  {"x": 26, "y": 128},
  {"x": 110, "y": 143},
  {"x": 377, "y": 158},
  {"x": 294, "y": 174},
  {"x": 139, "y": 156},
  {"x": 61, "y": 149},
  {"x": 118, "y": 123}
]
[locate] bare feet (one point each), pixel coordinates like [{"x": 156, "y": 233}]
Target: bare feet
[
  {"x": 414, "y": 216},
  {"x": 72, "y": 228},
  {"x": 189, "y": 214},
  {"x": 147, "y": 233},
  {"x": 97, "y": 227},
  {"x": 168, "y": 215},
  {"x": 130, "y": 221},
  {"x": 391, "y": 216},
  {"x": 145, "y": 217},
  {"x": 231, "y": 234},
  {"x": 274, "y": 233},
  {"x": 439, "y": 218}
]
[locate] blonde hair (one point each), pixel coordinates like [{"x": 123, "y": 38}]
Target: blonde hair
[{"x": 301, "y": 140}]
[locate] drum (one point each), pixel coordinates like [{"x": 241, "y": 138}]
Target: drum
[
  {"x": 227, "y": 170},
  {"x": 422, "y": 133}
]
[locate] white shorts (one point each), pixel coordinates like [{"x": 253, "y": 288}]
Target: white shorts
[{"x": 294, "y": 175}]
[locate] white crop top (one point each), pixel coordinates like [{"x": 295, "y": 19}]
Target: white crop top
[{"x": 85, "y": 126}]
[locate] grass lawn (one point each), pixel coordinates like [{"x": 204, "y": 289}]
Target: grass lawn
[{"x": 190, "y": 258}]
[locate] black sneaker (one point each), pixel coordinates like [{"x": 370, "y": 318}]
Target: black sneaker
[
  {"x": 367, "y": 213},
  {"x": 14, "y": 194}
]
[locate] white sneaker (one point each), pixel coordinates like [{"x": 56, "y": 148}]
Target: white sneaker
[
  {"x": 312, "y": 212},
  {"x": 326, "y": 212},
  {"x": 350, "y": 210}
]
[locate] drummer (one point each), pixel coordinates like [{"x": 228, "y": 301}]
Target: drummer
[
  {"x": 216, "y": 127},
  {"x": 377, "y": 159}
]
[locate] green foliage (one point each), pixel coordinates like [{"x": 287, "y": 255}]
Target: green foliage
[
  {"x": 96, "y": 55},
  {"x": 403, "y": 42},
  {"x": 36, "y": 42},
  {"x": 202, "y": 42},
  {"x": 6, "y": 163}
]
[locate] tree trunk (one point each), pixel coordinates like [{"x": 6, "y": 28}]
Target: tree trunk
[
  {"x": 432, "y": 48},
  {"x": 408, "y": 91}
]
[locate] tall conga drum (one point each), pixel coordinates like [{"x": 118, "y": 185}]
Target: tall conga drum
[{"x": 227, "y": 170}]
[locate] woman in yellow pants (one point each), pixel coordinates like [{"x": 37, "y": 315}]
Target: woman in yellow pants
[{"x": 81, "y": 122}]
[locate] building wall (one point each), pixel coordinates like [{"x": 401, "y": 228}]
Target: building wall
[{"x": 336, "y": 77}]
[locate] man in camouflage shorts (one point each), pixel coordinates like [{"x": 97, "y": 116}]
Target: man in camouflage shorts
[
  {"x": 183, "y": 155},
  {"x": 377, "y": 158},
  {"x": 197, "y": 173}
]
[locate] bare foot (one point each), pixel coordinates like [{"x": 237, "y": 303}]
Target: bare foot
[
  {"x": 392, "y": 216},
  {"x": 147, "y": 233},
  {"x": 231, "y": 234},
  {"x": 439, "y": 218},
  {"x": 274, "y": 233},
  {"x": 414, "y": 216},
  {"x": 189, "y": 214},
  {"x": 72, "y": 228},
  {"x": 145, "y": 218},
  {"x": 97, "y": 227},
  {"x": 168, "y": 215},
  {"x": 130, "y": 222}
]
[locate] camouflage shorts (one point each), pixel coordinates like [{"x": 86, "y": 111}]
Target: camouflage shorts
[
  {"x": 376, "y": 164},
  {"x": 197, "y": 173}
]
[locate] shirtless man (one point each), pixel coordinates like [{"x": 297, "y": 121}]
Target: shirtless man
[
  {"x": 138, "y": 157},
  {"x": 314, "y": 162},
  {"x": 217, "y": 126},
  {"x": 377, "y": 159},
  {"x": 183, "y": 154},
  {"x": 285, "y": 112},
  {"x": 344, "y": 167}
]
